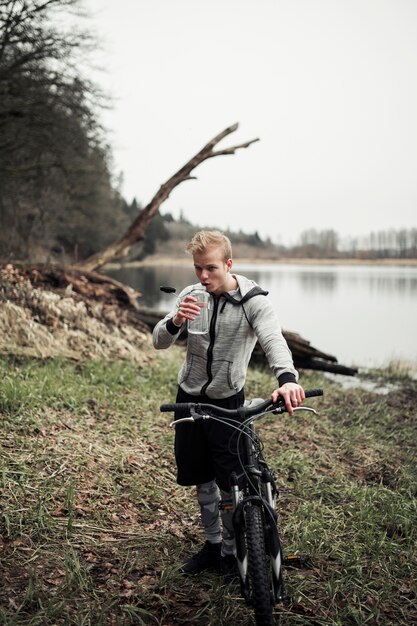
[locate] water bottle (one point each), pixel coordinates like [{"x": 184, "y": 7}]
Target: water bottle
[{"x": 200, "y": 325}]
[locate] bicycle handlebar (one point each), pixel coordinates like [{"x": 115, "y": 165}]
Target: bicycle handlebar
[{"x": 241, "y": 412}]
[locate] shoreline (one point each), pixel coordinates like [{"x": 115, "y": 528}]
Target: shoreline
[{"x": 164, "y": 260}]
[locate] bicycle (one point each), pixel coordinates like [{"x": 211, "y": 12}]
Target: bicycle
[{"x": 259, "y": 553}]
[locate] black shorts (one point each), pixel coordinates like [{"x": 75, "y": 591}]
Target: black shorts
[{"x": 207, "y": 449}]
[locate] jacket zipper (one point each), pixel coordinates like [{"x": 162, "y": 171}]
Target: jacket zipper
[{"x": 211, "y": 346}]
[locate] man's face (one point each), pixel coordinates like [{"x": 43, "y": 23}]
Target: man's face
[{"x": 212, "y": 270}]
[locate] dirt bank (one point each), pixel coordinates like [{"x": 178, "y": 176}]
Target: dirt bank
[{"x": 39, "y": 321}]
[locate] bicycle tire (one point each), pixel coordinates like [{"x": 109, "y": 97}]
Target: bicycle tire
[{"x": 258, "y": 567}]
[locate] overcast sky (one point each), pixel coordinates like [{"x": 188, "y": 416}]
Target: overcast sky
[{"x": 328, "y": 86}]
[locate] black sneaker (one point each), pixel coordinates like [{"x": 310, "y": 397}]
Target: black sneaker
[{"x": 207, "y": 558}]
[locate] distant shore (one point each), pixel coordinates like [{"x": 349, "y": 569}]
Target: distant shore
[{"x": 163, "y": 260}]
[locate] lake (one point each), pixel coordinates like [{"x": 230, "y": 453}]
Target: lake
[{"x": 364, "y": 315}]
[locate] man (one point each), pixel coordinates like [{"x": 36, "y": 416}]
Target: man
[{"x": 214, "y": 371}]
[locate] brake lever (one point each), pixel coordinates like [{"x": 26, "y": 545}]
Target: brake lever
[
  {"x": 194, "y": 417},
  {"x": 305, "y": 408},
  {"x": 182, "y": 419}
]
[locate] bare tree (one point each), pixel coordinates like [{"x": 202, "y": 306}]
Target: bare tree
[{"x": 136, "y": 230}]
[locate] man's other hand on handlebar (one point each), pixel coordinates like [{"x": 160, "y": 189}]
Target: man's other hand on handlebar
[{"x": 292, "y": 394}]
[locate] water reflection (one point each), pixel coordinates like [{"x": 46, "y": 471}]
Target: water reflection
[
  {"x": 313, "y": 277},
  {"x": 147, "y": 280},
  {"x": 312, "y": 282},
  {"x": 364, "y": 315}
]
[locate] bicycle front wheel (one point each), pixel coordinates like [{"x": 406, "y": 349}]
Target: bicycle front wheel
[{"x": 258, "y": 567}]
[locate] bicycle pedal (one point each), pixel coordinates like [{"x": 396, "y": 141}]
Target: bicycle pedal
[
  {"x": 297, "y": 561},
  {"x": 224, "y": 506}
]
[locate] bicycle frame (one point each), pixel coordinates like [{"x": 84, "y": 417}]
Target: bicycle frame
[{"x": 257, "y": 489}]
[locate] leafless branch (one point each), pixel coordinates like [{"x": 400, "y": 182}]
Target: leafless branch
[{"x": 136, "y": 231}]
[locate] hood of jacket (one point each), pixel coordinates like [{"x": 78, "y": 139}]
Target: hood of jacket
[{"x": 247, "y": 289}]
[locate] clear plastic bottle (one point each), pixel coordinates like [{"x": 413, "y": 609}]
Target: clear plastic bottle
[{"x": 200, "y": 325}]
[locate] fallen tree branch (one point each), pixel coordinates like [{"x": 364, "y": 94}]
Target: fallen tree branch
[{"x": 136, "y": 230}]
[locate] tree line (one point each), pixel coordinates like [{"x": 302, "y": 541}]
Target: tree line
[
  {"x": 383, "y": 244},
  {"x": 312, "y": 243},
  {"x": 57, "y": 190}
]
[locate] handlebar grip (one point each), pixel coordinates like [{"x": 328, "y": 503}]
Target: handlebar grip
[
  {"x": 185, "y": 407},
  {"x": 176, "y": 406},
  {"x": 311, "y": 393}
]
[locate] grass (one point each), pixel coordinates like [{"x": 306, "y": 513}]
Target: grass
[{"x": 93, "y": 524}]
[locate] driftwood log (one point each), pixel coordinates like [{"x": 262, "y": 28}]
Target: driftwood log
[{"x": 304, "y": 354}]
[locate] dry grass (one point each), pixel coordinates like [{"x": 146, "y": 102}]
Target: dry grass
[
  {"x": 93, "y": 524},
  {"x": 41, "y": 322}
]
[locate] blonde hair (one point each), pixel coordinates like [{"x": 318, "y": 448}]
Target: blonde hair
[{"x": 210, "y": 238}]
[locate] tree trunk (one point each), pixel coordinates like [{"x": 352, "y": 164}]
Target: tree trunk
[{"x": 136, "y": 231}]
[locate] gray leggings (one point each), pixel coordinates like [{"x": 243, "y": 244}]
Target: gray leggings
[{"x": 217, "y": 523}]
